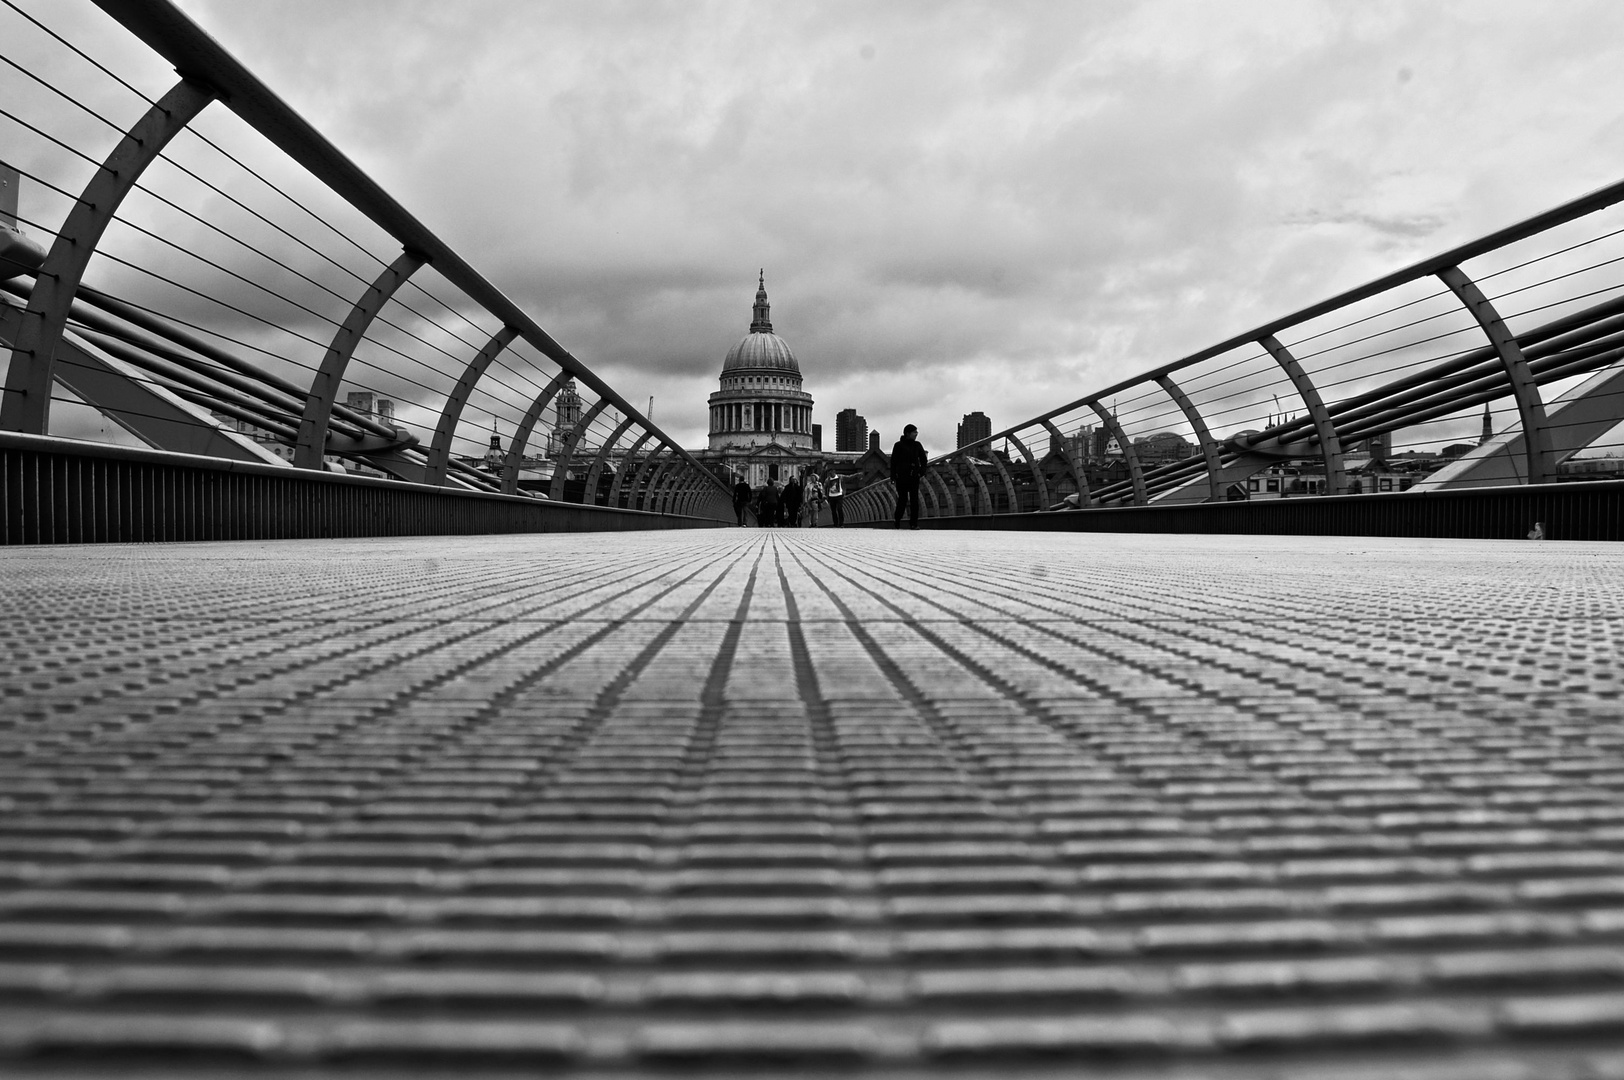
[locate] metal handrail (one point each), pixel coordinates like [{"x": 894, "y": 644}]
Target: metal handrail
[{"x": 203, "y": 62}]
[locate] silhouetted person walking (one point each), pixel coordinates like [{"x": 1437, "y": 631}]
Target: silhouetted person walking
[
  {"x": 767, "y": 505},
  {"x": 741, "y": 499},
  {"x": 792, "y": 502},
  {"x": 907, "y": 469}
]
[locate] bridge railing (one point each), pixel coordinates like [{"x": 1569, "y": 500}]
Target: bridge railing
[
  {"x": 1491, "y": 364},
  {"x": 191, "y": 267}
]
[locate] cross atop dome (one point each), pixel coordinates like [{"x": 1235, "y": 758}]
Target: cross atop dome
[{"x": 761, "y": 322}]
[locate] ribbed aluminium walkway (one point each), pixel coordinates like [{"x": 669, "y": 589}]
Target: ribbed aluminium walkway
[{"x": 837, "y": 802}]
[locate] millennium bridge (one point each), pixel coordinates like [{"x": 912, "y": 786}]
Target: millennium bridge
[{"x": 327, "y": 751}]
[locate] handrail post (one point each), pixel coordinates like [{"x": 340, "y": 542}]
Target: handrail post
[
  {"x": 1198, "y": 424},
  {"x": 1336, "y": 480},
  {"x": 1136, "y": 474},
  {"x": 637, "y": 496},
  {"x": 1530, "y": 409},
  {"x": 566, "y": 449},
  {"x": 26, "y": 404},
  {"x": 318, "y": 410},
  {"x": 1069, "y": 456},
  {"x": 1037, "y": 472},
  {"x": 521, "y": 434},
  {"x": 625, "y": 463},
  {"x": 596, "y": 471},
  {"x": 655, "y": 480},
  {"x": 440, "y": 449},
  {"x": 945, "y": 506},
  {"x": 981, "y": 484},
  {"x": 1009, "y": 482}
]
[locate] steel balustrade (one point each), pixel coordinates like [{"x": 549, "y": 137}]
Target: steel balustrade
[
  {"x": 160, "y": 357},
  {"x": 1388, "y": 390}
]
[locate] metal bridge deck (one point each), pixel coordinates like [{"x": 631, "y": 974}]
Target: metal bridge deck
[{"x": 907, "y": 803}]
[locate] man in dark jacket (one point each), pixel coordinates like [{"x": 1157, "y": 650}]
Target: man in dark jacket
[
  {"x": 741, "y": 499},
  {"x": 907, "y": 470},
  {"x": 792, "y": 502},
  {"x": 767, "y": 505}
]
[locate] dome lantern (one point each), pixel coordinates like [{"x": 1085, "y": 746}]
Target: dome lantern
[{"x": 761, "y": 321}]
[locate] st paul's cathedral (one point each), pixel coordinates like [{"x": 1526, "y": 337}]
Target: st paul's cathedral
[{"x": 760, "y": 419}]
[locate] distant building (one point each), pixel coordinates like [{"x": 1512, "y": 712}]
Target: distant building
[
  {"x": 874, "y": 440},
  {"x": 1377, "y": 447},
  {"x": 365, "y": 401},
  {"x": 973, "y": 428},
  {"x": 851, "y": 432},
  {"x": 1161, "y": 448},
  {"x": 566, "y": 415},
  {"x": 1488, "y": 426}
]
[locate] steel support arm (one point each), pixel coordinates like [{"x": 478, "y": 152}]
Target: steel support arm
[
  {"x": 1530, "y": 409},
  {"x": 566, "y": 449},
  {"x": 981, "y": 485},
  {"x": 1136, "y": 474},
  {"x": 26, "y": 404},
  {"x": 1069, "y": 454},
  {"x": 318, "y": 410},
  {"x": 1336, "y": 481},
  {"x": 521, "y": 434},
  {"x": 1037, "y": 472},
  {"x": 1008, "y": 482},
  {"x": 650, "y": 467},
  {"x": 446, "y": 429},
  {"x": 657, "y": 476},
  {"x": 1209, "y": 449},
  {"x": 675, "y": 477},
  {"x": 592, "y": 474},
  {"x": 944, "y": 506},
  {"x": 626, "y": 463}
]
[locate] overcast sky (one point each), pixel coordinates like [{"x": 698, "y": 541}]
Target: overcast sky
[{"x": 958, "y": 205}]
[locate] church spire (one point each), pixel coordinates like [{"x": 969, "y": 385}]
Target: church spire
[{"x": 761, "y": 320}]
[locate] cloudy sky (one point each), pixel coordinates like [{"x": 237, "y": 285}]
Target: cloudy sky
[{"x": 959, "y": 206}]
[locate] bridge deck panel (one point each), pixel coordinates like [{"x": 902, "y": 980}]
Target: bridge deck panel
[{"x": 875, "y": 802}]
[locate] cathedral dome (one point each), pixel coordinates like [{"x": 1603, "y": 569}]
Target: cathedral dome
[{"x": 761, "y": 349}]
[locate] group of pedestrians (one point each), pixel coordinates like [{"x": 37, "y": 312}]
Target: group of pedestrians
[
  {"x": 806, "y": 496},
  {"x": 800, "y": 499}
]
